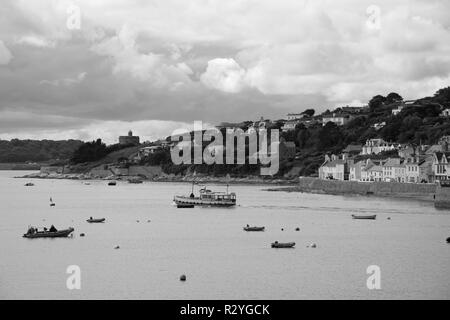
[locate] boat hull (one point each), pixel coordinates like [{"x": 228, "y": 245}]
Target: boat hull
[
  {"x": 372, "y": 217},
  {"x": 179, "y": 200},
  {"x": 280, "y": 245},
  {"x": 47, "y": 234},
  {"x": 96, "y": 220},
  {"x": 254, "y": 229}
]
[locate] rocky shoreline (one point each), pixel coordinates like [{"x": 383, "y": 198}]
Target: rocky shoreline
[{"x": 167, "y": 178}]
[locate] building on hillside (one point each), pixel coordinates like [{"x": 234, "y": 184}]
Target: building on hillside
[
  {"x": 372, "y": 171},
  {"x": 375, "y": 146},
  {"x": 445, "y": 113},
  {"x": 354, "y": 110},
  {"x": 412, "y": 169},
  {"x": 355, "y": 170},
  {"x": 397, "y": 110},
  {"x": 294, "y": 116},
  {"x": 129, "y": 139},
  {"x": 379, "y": 125},
  {"x": 353, "y": 149},
  {"x": 441, "y": 166},
  {"x": 394, "y": 170},
  {"x": 334, "y": 168},
  {"x": 261, "y": 124},
  {"x": 289, "y": 125},
  {"x": 339, "y": 119}
]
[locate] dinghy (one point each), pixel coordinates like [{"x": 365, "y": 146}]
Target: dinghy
[
  {"x": 248, "y": 228},
  {"x": 277, "y": 244},
  {"x": 364, "y": 217},
  {"x": 92, "y": 220}
]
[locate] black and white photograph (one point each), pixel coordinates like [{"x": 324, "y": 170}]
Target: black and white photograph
[{"x": 211, "y": 150}]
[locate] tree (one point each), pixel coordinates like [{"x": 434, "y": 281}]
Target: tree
[
  {"x": 309, "y": 112},
  {"x": 442, "y": 96},
  {"x": 393, "y": 97},
  {"x": 376, "y": 102}
]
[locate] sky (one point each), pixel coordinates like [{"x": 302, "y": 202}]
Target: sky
[{"x": 93, "y": 69}]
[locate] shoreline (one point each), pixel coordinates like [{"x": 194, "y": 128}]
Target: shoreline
[{"x": 299, "y": 184}]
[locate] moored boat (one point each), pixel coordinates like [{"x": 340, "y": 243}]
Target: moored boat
[
  {"x": 207, "y": 198},
  {"x": 248, "y": 228},
  {"x": 29, "y": 184},
  {"x": 92, "y": 220},
  {"x": 364, "y": 217},
  {"x": 34, "y": 233},
  {"x": 112, "y": 183},
  {"x": 277, "y": 244}
]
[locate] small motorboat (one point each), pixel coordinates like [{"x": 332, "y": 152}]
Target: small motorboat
[
  {"x": 112, "y": 183},
  {"x": 92, "y": 220},
  {"x": 364, "y": 217},
  {"x": 185, "y": 205},
  {"x": 34, "y": 233},
  {"x": 29, "y": 184},
  {"x": 277, "y": 244},
  {"x": 248, "y": 228}
]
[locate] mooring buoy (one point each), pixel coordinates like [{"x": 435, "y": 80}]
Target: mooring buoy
[{"x": 183, "y": 277}]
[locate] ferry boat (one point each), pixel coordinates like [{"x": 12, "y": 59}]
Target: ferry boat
[{"x": 207, "y": 198}]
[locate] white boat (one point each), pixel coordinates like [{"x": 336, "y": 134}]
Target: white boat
[{"x": 207, "y": 198}]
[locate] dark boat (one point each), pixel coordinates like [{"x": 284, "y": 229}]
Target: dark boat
[
  {"x": 277, "y": 244},
  {"x": 185, "y": 205},
  {"x": 248, "y": 228},
  {"x": 112, "y": 183},
  {"x": 52, "y": 204},
  {"x": 29, "y": 184},
  {"x": 92, "y": 220},
  {"x": 32, "y": 233},
  {"x": 364, "y": 217}
]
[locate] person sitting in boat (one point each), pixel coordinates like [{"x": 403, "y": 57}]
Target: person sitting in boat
[
  {"x": 53, "y": 229},
  {"x": 90, "y": 218},
  {"x": 192, "y": 195}
]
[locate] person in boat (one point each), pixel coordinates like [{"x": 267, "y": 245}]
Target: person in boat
[
  {"x": 90, "y": 218},
  {"x": 248, "y": 226},
  {"x": 192, "y": 195},
  {"x": 53, "y": 229}
]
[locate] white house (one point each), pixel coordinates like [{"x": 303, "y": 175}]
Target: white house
[
  {"x": 339, "y": 119},
  {"x": 446, "y": 113},
  {"x": 375, "y": 146}
]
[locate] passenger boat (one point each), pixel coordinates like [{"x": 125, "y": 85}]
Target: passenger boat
[
  {"x": 248, "y": 228},
  {"x": 32, "y": 233},
  {"x": 277, "y": 244},
  {"x": 92, "y": 220},
  {"x": 364, "y": 217},
  {"x": 207, "y": 198}
]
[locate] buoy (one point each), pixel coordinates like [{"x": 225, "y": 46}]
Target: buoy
[
  {"x": 448, "y": 240},
  {"x": 116, "y": 247},
  {"x": 183, "y": 277},
  {"x": 313, "y": 245},
  {"x": 137, "y": 220},
  {"x": 297, "y": 229},
  {"x": 82, "y": 234},
  {"x": 282, "y": 229},
  {"x": 148, "y": 220},
  {"x": 389, "y": 218}
]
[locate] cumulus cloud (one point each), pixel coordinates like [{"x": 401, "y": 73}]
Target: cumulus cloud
[
  {"x": 216, "y": 60},
  {"x": 225, "y": 75}
]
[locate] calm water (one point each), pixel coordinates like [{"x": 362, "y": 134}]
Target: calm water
[{"x": 208, "y": 244}]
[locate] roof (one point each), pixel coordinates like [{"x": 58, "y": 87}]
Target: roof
[{"x": 440, "y": 156}]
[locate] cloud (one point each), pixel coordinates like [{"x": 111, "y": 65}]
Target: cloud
[
  {"x": 225, "y": 75},
  {"x": 5, "y": 54},
  {"x": 215, "y": 60},
  {"x": 66, "y": 81}
]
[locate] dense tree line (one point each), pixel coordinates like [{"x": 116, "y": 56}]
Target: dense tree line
[
  {"x": 93, "y": 151},
  {"x": 36, "y": 150}
]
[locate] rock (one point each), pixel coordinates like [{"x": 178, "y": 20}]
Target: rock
[{"x": 183, "y": 277}]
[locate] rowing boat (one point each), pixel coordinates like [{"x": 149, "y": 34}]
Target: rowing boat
[
  {"x": 364, "y": 217},
  {"x": 91, "y": 220},
  {"x": 248, "y": 228},
  {"x": 277, "y": 244}
]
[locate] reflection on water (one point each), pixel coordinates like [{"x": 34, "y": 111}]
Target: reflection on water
[{"x": 221, "y": 261}]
